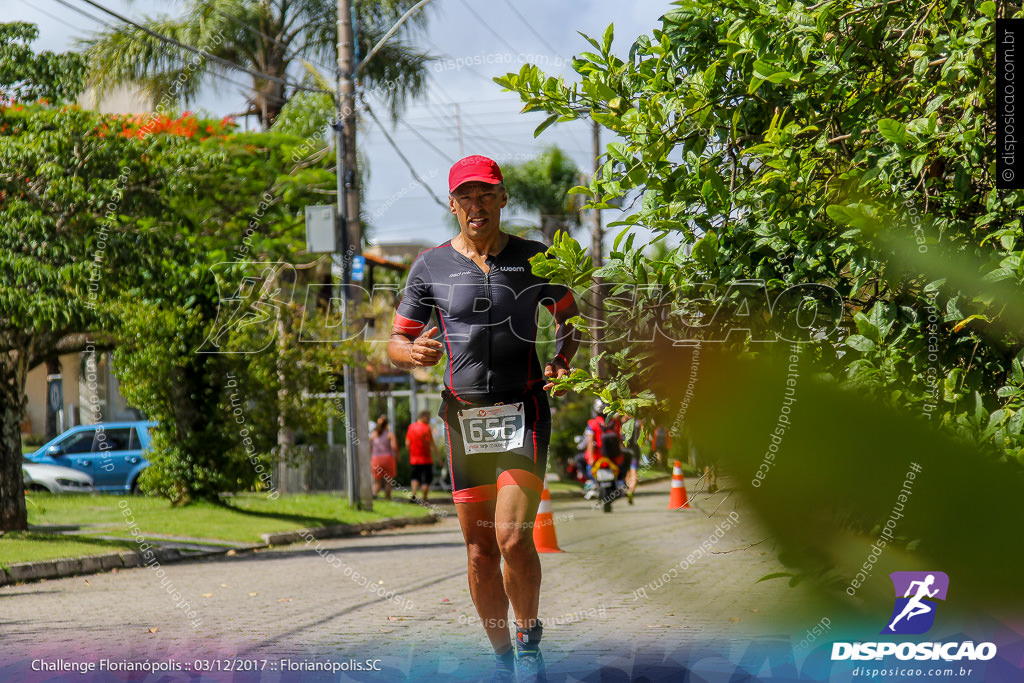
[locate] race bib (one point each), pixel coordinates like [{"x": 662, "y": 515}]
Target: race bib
[{"x": 493, "y": 429}]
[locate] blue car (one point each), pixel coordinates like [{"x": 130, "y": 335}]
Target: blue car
[{"x": 110, "y": 452}]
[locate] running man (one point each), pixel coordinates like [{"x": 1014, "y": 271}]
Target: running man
[
  {"x": 915, "y": 606},
  {"x": 481, "y": 289}
]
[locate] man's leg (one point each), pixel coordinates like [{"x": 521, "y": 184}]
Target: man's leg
[
  {"x": 485, "y": 584},
  {"x": 427, "y": 480},
  {"x": 415, "y": 487},
  {"x": 514, "y": 515}
]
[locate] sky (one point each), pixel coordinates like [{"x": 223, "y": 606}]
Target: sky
[{"x": 474, "y": 41}]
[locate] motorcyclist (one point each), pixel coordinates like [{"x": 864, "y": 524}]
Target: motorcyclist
[{"x": 604, "y": 438}]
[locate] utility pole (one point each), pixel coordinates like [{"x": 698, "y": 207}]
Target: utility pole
[
  {"x": 596, "y": 247},
  {"x": 357, "y": 399}
]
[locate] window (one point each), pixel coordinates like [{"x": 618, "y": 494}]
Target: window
[
  {"x": 111, "y": 440},
  {"x": 80, "y": 442}
]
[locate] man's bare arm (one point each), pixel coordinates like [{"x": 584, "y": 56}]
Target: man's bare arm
[
  {"x": 567, "y": 342},
  {"x": 408, "y": 353}
]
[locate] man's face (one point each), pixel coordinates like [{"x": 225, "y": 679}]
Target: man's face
[{"x": 478, "y": 207}]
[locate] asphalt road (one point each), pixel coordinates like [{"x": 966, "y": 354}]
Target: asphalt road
[{"x": 631, "y": 582}]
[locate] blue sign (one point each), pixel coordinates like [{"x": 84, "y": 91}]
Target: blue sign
[{"x": 358, "y": 265}]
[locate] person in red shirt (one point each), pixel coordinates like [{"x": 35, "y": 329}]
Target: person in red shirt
[
  {"x": 419, "y": 439},
  {"x": 603, "y": 436}
]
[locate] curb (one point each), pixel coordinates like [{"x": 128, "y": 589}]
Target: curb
[
  {"x": 96, "y": 564},
  {"x": 90, "y": 564},
  {"x": 342, "y": 530}
]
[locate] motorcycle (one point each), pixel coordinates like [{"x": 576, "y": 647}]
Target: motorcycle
[
  {"x": 576, "y": 469},
  {"x": 608, "y": 487}
]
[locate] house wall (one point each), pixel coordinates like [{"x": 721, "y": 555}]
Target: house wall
[
  {"x": 91, "y": 394},
  {"x": 35, "y": 391}
]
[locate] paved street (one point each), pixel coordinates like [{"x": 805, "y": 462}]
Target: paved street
[{"x": 306, "y": 603}]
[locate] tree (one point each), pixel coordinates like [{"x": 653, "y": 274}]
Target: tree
[
  {"x": 83, "y": 209},
  {"x": 113, "y": 229},
  {"x": 841, "y": 147},
  {"x": 26, "y": 76},
  {"x": 201, "y": 358},
  {"x": 542, "y": 185},
  {"x": 793, "y": 157},
  {"x": 266, "y": 37}
]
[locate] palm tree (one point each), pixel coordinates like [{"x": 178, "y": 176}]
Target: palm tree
[
  {"x": 543, "y": 185},
  {"x": 271, "y": 37}
]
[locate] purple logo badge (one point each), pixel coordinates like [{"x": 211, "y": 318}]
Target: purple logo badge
[{"x": 914, "y": 612}]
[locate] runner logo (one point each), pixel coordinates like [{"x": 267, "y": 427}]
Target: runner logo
[{"x": 914, "y": 613}]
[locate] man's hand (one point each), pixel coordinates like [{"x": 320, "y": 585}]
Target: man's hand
[
  {"x": 556, "y": 369},
  {"x": 424, "y": 350}
]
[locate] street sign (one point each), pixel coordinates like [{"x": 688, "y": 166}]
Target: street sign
[
  {"x": 358, "y": 266},
  {"x": 320, "y": 229},
  {"x": 54, "y": 392},
  {"x": 54, "y": 405}
]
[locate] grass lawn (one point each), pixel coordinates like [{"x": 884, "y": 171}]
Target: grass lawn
[
  {"x": 567, "y": 485},
  {"x": 243, "y": 518},
  {"x": 656, "y": 473},
  {"x": 653, "y": 472},
  {"x": 20, "y": 546}
]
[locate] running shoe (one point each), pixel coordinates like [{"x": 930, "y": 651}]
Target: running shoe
[
  {"x": 529, "y": 660},
  {"x": 530, "y": 667},
  {"x": 505, "y": 667}
]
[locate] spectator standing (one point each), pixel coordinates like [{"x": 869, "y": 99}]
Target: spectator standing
[
  {"x": 419, "y": 439},
  {"x": 383, "y": 447}
]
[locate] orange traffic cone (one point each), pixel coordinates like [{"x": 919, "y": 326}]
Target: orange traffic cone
[
  {"x": 678, "y": 498},
  {"x": 544, "y": 528}
]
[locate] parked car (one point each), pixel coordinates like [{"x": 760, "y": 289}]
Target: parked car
[
  {"x": 110, "y": 452},
  {"x": 54, "y": 478}
]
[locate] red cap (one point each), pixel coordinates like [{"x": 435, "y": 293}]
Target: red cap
[{"x": 474, "y": 168}]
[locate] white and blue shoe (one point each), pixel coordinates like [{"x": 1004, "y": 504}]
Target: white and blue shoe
[{"x": 529, "y": 660}]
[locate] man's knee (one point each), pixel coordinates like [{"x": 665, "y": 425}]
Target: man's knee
[
  {"x": 516, "y": 541},
  {"x": 484, "y": 556}
]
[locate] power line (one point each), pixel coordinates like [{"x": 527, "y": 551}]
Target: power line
[
  {"x": 530, "y": 27},
  {"x": 83, "y": 13},
  {"x": 468, "y": 123},
  {"x": 107, "y": 25},
  {"x": 401, "y": 156},
  {"x": 445, "y": 53},
  {"x": 52, "y": 16},
  {"x": 392, "y": 31},
  {"x": 257, "y": 31},
  {"x": 567, "y": 127},
  {"x": 505, "y": 125},
  {"x": 487, "y": 26},
  {"x": 501, "y": 145},
  {"x": 428, "y": 142},
  {"x": 189, "y": 48}
]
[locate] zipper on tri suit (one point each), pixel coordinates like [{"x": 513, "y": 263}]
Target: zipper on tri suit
[{"x": 490, "y": 306}]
